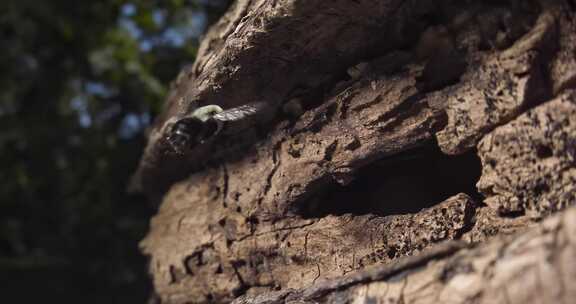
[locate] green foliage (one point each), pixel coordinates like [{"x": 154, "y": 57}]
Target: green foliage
[{"x": 79, "y": 83}]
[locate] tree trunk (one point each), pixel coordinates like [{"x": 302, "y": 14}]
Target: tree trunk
[{"x": 358, "y": 181}]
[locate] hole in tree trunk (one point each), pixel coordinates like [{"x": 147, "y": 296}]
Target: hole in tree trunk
[{"x": 402, "y": 184}]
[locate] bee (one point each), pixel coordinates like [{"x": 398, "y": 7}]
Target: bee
[{"x": 205, "y": 123}]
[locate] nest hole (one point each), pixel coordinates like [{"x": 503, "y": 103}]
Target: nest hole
[{"x": 402, "y": 184}]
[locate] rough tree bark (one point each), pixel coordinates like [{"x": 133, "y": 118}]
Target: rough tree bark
[{"x": 358, "y": 185}]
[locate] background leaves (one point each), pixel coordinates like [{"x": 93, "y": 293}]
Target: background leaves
[{"x": 80, "y": 81}]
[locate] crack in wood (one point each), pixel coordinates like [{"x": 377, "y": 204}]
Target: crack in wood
[
  {"x": 277, "y": 162},
  {"x": 225, "y": 185},
  {"x": 378, "y": 99}
]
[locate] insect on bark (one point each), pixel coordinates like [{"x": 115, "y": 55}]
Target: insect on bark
[{"x": 205, "y": 123}]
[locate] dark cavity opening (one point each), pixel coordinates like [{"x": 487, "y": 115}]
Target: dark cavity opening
[{"x": 401, "y": 184}]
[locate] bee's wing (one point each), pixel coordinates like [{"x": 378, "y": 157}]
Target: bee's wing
[{"x": 240, "y": 112}]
